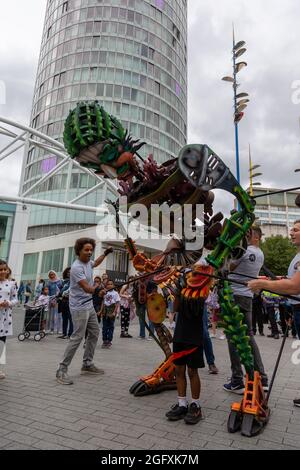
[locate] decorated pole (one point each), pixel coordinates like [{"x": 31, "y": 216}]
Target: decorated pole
[
  {"x": 240, "y": 100},
  {"x": 236, "y": 121}
]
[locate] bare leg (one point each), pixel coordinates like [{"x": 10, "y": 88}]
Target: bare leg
[
  {"x": 195, "y": 383},
  {"x": 181, "y": 380}
]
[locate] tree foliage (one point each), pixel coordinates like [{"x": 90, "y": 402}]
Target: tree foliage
[{"x": 279, "y": 252}]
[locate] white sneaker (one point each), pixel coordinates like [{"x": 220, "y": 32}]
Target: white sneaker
[{"x": 2, "y": 375}]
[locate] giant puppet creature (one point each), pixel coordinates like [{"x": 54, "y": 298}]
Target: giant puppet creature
[{"x": 98, "y": 141}]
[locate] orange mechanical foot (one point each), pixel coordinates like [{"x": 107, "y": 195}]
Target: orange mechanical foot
[
  {"x": 252, "y": 414},
  {"x": 163, "y": 378}
]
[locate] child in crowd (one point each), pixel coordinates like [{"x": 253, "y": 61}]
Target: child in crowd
[
  {"x": 158, "y": 298},
  {"x": 126, "y": 300},
  {"x": 43, "y": 301},
  {"x": 111, "y": 306},
  {"x": 8, "y": 299}
]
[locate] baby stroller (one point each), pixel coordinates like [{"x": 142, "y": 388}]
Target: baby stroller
[{"x": 33, "y": 322}]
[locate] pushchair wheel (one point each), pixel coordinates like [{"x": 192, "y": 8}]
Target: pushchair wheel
[
  {"x": 43, "y": 334},
  {"x": 37, "y": 337},
  {"x": 27, "y": 334},
  {"x": 21, "y": 337}
]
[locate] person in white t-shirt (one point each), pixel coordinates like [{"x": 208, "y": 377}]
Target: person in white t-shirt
[
  {"x": 82, "y": 310},
  {"x": 290, "y": 286},
  {"x": 111, "y": 307},
  {"x": 250, "y": 265}
]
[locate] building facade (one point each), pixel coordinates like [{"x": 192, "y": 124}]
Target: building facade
[
  {"x": 7, "y": 216},
  {"x": 276, "y": 213},
  {"x": 13, "y": 225},
  {"x": 131, "y": 55}
]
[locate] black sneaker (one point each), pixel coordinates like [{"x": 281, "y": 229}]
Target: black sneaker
[
  {"x": 297, "y": 402},
  {"x": 176, "y": 412},
  {"x": 234, "y": 388},
  {"x": 194, "y": 414}
]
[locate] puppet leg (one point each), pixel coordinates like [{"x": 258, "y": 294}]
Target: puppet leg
[{"x": 163, "y": 378}]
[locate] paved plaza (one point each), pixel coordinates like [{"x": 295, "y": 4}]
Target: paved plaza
[{"x": 99, "y": 413}]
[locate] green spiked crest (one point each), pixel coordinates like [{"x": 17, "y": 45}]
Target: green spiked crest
[{"x": 94, "y": 137}]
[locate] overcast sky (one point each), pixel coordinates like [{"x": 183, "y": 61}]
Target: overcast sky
[{"x": 271, "y": 123}]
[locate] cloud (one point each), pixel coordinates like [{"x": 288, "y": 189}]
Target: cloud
[
  {"x": 271, "y": 122},
  {"x": 21, "y": 25}
]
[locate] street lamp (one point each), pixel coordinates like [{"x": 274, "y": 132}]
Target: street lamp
[{"x": 240, "y": 99}]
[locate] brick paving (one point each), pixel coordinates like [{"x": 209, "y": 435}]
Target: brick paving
[{"x": 99, "y": 413}]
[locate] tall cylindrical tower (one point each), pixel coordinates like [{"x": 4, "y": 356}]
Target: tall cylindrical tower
[{"x": 131, "y": 55}]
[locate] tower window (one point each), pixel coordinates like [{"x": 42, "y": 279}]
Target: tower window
[{"x": 65, "y": 7}]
